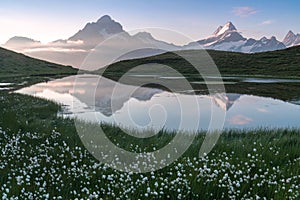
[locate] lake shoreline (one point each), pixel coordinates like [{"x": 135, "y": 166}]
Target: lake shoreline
[
  {"x": 263, "y": 162},
  {"x": 97, "y": 99},
  {"x": 255, "y": 162}
]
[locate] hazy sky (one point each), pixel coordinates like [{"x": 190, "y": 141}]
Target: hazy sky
[{"x": 59, "y": 19}]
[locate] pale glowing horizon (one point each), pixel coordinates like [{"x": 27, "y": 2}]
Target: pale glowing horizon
[{"x": 50, "y": 21}]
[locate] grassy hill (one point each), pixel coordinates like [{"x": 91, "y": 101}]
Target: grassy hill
[
  {"x": 282, "y": 63},
  {"x": 16, "y": 64},
  {"x": 277, "y": 64}
]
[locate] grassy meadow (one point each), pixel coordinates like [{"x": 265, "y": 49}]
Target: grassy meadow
[{"x": 42, "y": 156}]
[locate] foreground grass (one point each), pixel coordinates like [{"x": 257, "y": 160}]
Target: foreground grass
[{"x": 42, "y": 157}]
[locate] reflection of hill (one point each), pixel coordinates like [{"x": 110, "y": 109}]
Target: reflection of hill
[
  {"x": 226, "y": 101},
  {"x": 107, "y": 96},
  {"x": 108, "y": 103},
  {"x": 296, "y": 102},
  {"x": 101, "y": 94}
]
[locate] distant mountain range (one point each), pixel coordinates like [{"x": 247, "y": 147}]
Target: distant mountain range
[
  {"x": 73, "y": 51},
  {"x": 18, "y": 42},
  {"x": 227, "y": 38}
]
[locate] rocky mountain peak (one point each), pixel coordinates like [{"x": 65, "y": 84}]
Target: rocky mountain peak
[
  {"x": 228, "y": 27},
  {"x": 97, "y": 31},
  {"x": 104, "y": 18},
  {"x": 290, "y": 39}
]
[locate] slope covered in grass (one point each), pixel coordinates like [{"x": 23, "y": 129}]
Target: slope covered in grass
[
  {"x": 282, "y": 63},
  {"x": 16, "y": 64}
]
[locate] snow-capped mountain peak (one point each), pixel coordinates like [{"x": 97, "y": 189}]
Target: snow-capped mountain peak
[
  {"x": 218, "y": 30},
  {"x": 224, "y": 38},
  {"x": 291, "y": 33},
  {"x": 227, "y": 38},
  {"x": 95, "y": 32},
  {"x": 291, "y": 39},
  {"x": 264, "y": 40},
  {"x": 72, "y": 51},
  {"x": 226, "y": 28}
]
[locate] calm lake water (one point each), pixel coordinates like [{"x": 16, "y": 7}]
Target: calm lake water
[{"x": 143, "y": 108}]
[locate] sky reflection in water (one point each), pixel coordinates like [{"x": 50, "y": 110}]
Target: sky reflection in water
[{"x": 154, "y": 108}]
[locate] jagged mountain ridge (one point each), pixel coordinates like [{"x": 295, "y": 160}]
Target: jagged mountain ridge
[
  {"x": 95, "y": 32},
  {"x": 72, "y": 51},
  {"x": 227, "y": 38},
  {"x": 291, "y": 39}
]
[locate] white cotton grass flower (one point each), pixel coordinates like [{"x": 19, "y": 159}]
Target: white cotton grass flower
[{"x": 53, "y": 163}]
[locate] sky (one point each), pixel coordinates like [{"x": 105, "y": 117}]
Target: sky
[{"x": 47, "y": 21}]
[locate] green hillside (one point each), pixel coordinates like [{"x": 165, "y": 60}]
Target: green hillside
[
  {"x": 282, "y": 63},
  {"x": 277, "y": 64},
  {"x": 16, "y": 64}
]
